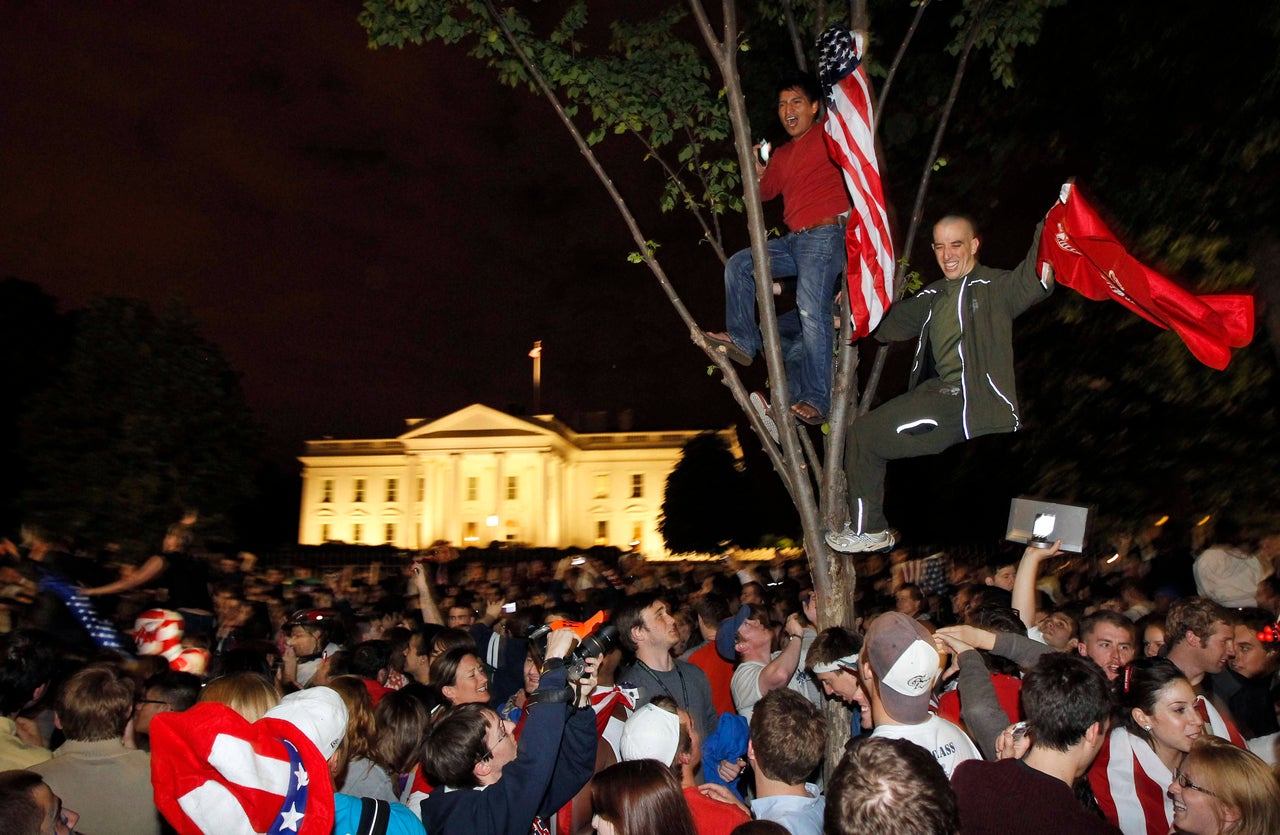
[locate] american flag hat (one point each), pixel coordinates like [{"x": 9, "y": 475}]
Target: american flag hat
[
  {"x": 194, "y": 660},
  {"x": 215, "y": 773},
  {"x": 159, "y": 632}
]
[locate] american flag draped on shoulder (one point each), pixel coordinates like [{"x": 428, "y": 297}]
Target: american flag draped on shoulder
[{"x": 850, "y": 139}]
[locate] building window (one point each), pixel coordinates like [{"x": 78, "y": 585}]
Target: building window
[
  {"x": 513, "y": 488},
  {"x": 390, "y": 532},
  {"x": 357, "y": 533},
  {"x": 473, "y": 488},
  {"x": 636, "y": 530},
  {"x": 324, "y": 533},
  {"x": 471, "y": 533},
  {"x": 637, "y": 485},
  {"x": 602, "y": 486},
  {"x": 359, "y": 492},
  {"x": 326, "y": 490},
  {"x": 602, "y": 532},
  {"x": 393, "y": 490},
  {"x": 422, "y": 486}
]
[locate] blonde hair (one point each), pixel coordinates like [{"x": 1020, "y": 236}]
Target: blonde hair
[
  {"x": 1240, "y": 781},
  {"x": 248, "y": 694}
]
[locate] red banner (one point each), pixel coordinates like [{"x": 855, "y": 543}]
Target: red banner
[{"x": 1087, "y": 257}]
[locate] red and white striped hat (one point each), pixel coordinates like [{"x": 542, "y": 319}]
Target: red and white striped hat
[
  {"x": 159, "y": 632},
  {"x": 214, "y": 773}
]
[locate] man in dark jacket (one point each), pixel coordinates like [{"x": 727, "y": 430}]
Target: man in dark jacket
[
  {"x": 485, "y": 785},
  {"x": 961, "y": 379}
]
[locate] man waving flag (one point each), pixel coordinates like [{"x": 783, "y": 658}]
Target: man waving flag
[
  {"x": 850, "y": 135},
  {"x": 1087, "y": 257}
]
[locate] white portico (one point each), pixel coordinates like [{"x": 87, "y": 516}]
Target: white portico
[{"x": 480, "y": 475}]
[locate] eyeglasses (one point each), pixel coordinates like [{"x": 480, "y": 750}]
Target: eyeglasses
[
  {"x": 502, "y": 734},
  {"x": 1187, "y": 784}
]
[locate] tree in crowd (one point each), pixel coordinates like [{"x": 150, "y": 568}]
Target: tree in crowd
[{"x": 651, "y": 80}]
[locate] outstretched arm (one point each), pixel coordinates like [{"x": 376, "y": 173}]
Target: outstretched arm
[
  {"x": 1024, "y": 583},
  {"x": 780, "y": 670},
  {"x": 1019, "y": 649},
  {"x": 147, "y": 572},
  {"x": 1032, "y": 280},
  {"x": 426, "y": 603},
  {"x": 979, "y": 706}
]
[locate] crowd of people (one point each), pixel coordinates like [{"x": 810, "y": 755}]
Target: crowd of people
[{"x": 1043, "y": 693}]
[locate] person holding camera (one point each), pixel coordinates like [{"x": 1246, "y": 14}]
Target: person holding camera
[{"x": 485, "y": 785}]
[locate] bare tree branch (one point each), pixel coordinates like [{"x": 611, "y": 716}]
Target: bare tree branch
[
  {"x": 844, "y": 396},
  {"x": 810, "y": 454},
  {"x": 897, "y": 58},
  {"x": 797, "y": 46},
  {"x": 859, "y": 19}
]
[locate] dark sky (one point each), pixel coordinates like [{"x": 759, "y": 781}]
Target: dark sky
[
  {"x": 372, "y": 236},
  {"x": 369, "y": 236}
]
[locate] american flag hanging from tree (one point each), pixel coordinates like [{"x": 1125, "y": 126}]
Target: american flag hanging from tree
[{"x": 851, "y": 143}]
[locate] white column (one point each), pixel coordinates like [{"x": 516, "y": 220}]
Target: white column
[
  {"x": 499, "y": 493},
  {"x": 538, "y": 500},
  {"x": 452, "y": 522},
  {"x": 304, "y": 509},
  {"x": 555, "y": 503},
  {"x": 433, "y": 501}
]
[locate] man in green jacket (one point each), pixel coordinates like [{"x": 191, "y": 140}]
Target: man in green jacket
[{"x": 961, "y": 379}]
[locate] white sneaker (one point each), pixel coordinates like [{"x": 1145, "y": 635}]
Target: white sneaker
[
  {"x": 847, "y": 541},
  {"x": 762, "y": 409}
]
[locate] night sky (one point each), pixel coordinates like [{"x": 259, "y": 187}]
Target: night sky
[
  {"x": 377, "y": 235},
  {"x": 369, "y": 236}
]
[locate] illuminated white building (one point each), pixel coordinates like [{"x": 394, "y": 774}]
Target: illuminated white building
[{"x": 480, "y": 475}]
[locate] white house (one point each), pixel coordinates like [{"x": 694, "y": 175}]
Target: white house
[{"x": 480, "y": 475}]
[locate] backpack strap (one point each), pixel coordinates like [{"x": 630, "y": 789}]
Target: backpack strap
[{"x": 375, "y": 817}]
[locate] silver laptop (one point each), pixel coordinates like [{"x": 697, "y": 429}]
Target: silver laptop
[{"x": 1041, "y": 523}]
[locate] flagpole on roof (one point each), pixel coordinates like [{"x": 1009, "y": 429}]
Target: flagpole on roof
[{"x": 536, "y": 354}]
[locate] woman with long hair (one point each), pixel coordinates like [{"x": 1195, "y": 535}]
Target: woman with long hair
[
  {"x": 639, "y": 797},
  {"x": 402, "y": 722},
  {"x": 1220, "y": 789},
  {"x": 1157, "y": 724},
  {"x": 355, "y": 767}
]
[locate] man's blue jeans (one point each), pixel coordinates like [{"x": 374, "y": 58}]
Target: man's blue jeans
[{"x": 816, "y": 259}]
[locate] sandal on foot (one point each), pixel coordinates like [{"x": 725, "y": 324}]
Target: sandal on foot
[
  {"x": 725, "y": 345},
  {"x": 807, "y": 414}
]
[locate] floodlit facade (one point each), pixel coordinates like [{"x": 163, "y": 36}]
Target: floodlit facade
[{"x": 480, "y": 475}]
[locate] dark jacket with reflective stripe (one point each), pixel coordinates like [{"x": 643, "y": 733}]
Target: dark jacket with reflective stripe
[{"x": 988, "y": 302}]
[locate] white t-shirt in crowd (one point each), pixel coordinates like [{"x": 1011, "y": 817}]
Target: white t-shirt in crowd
[{"x": 949, "y": 745}]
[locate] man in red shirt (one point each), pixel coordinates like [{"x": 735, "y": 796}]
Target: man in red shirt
[
  {"x": 711, "y": 610},
  {"x": 815, "y": 207}
]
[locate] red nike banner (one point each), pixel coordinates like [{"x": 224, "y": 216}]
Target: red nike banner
[{"x": 1087, "y": 257}]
